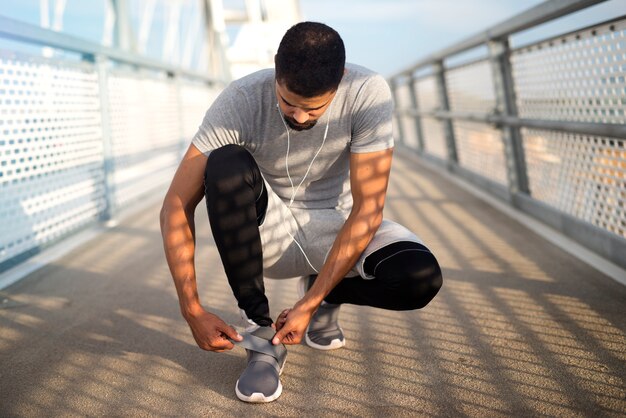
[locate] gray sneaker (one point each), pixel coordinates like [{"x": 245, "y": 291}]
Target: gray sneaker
[
  {"x": 324, "y": 332},
  {"x": 260, "y": 380}
]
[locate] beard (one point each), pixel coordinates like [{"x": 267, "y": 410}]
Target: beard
[{"x": 299, "y": 126}]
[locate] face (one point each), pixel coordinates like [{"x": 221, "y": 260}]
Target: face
[{"x": 302, "y": 113}]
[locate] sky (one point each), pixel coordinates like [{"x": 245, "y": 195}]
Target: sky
[
  {"x": 384, "y": 35},
  {"x": 389, "y": 35}
]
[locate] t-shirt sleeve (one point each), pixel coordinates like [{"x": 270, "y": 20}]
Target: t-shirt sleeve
[
  {"x": 372, "y": 117},
  {"x": 222, "y": 124}
]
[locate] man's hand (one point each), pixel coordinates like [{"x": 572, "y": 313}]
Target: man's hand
[
  {"x": 211, "y": 333},
  {"x": 291, "y": 325}
]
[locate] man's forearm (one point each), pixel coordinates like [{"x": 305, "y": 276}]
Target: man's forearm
[
  {"x": 178, "y": 232},
  {"x": 354, "y": 237},
  {"x": 369, "y": 177}
]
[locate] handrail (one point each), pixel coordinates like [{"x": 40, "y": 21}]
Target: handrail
[
  {"x": 33, "y": 34},
  {"x": 596, "y": 229},
  {"x": 537, "y": 15},
  {"x": 583, "y": 128}
]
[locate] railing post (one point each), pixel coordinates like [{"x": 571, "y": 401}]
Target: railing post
[
  {"x": 418, "y": 122},
  {"x": 107, "y": 147},
  {"x": 399, "y": 117},
  {"x": 442, "y": 91},
  {"x": 517, "y": 177}
]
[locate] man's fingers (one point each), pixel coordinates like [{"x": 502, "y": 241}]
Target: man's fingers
[
  {"x": 217, "y": 345},
  {"x": 230, "y": 332},
  {"x": 278, "y": 337},
  {"x": 292, "y": 338},
  {"x": 221, "y": 344},
  {"x": 286, "y": 336},
  {"x": 282, "y": 319}
]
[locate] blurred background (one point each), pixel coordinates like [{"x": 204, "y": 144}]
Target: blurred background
[
  {"x": 100, "y": 98},
  {"x": 383, "y": 35},
  {"x": 509, "y": 161}
]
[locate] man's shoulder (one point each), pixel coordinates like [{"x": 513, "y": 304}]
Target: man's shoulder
[
  {"x": 358, "y": 76},
  {"x": 359, "y": 71},
  {"x": 252, "y": 90},
  {"x": 361, "y": 83},
  {"x": 254, "y": 80}
]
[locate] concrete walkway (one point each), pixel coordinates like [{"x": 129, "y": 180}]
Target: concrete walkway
[{"x": 520, "y": 328}]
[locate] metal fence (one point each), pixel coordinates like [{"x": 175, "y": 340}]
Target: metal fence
[
  {"x": 81, "y": 139},
  {"x": 542, "y": 126}
]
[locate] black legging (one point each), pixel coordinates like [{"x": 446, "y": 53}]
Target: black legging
[{"x": 407, "y": 275}]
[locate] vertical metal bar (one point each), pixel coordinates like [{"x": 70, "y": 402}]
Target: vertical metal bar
[
  {"x": 394, "y": 92},
  {"x": 59, "y": 11},
  {"x": 124, "y": 38},
  {"x": 108, "y": 215},
  {"x": 145, "y": 25},
  {"x": 418, "y": 123},
  {"x": 506, "y": 104},
  {"x": 215, "y": 35},
  {"x": 442, "y": 91},
  {"x": 44, "y": 22},
  {"x": 109, "y": 23},
  {"x": 170, "y": 49}
]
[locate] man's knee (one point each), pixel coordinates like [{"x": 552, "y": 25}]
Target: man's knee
[
  {"x": 232, "y": 181},
  {"x": 414, "y": 275},
  {"x": 424, "y": 280},
  {"x": 229, "y": 169},
  {"x": 228, "y": 161}
]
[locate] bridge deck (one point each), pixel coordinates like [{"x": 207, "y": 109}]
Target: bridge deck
[{"x": 520, "y": 327}]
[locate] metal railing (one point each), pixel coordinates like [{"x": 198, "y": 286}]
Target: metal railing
[
  {"x": 541, "y": 126},
  {"x": 82, "y": 139}
]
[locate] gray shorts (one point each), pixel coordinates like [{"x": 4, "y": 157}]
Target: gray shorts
[{"x": 290, "y": 236}]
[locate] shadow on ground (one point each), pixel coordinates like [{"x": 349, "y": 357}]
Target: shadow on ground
[{"x": 520, "y": 328}]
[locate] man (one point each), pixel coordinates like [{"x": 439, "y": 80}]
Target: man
[{"x": 294, "y": 165}]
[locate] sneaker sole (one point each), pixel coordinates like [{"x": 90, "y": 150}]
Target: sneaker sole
[
  {"x": 334, "y": 344},
  {"x": 258, "y": 397}
]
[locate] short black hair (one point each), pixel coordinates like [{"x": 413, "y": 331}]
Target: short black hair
[{"x": 310, "y": 60}]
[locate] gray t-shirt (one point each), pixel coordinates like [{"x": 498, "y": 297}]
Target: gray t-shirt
[{"x": 359, "y": 120}]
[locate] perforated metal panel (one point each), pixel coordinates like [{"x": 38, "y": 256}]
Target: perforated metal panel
[
  {"x": 196, "y": 98},
  {"x": 576, "y": 77},
  {"x": 434, "y": 137},
  {"x": 427, "y": 95},
  {"x": 146, "y": 133},
  {"x": 403, "y": 97},
  {"x": 584, "y": 176},
  {"x": 51, "y": 165},
  {"x": 471, "y": 88},
  {"x": 580, "y": 77},
  {"x": 432, "y": 129},
  {"x": 480, "y": 149},
  {"x": 479, "y": 146}
]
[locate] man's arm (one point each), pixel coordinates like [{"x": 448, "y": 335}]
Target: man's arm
[
  {"x": 178, "y": 232},
  {"x": 369, "y": 177}
]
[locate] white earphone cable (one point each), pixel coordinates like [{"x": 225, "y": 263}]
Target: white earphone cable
[{"x": 294, "y": 191}]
